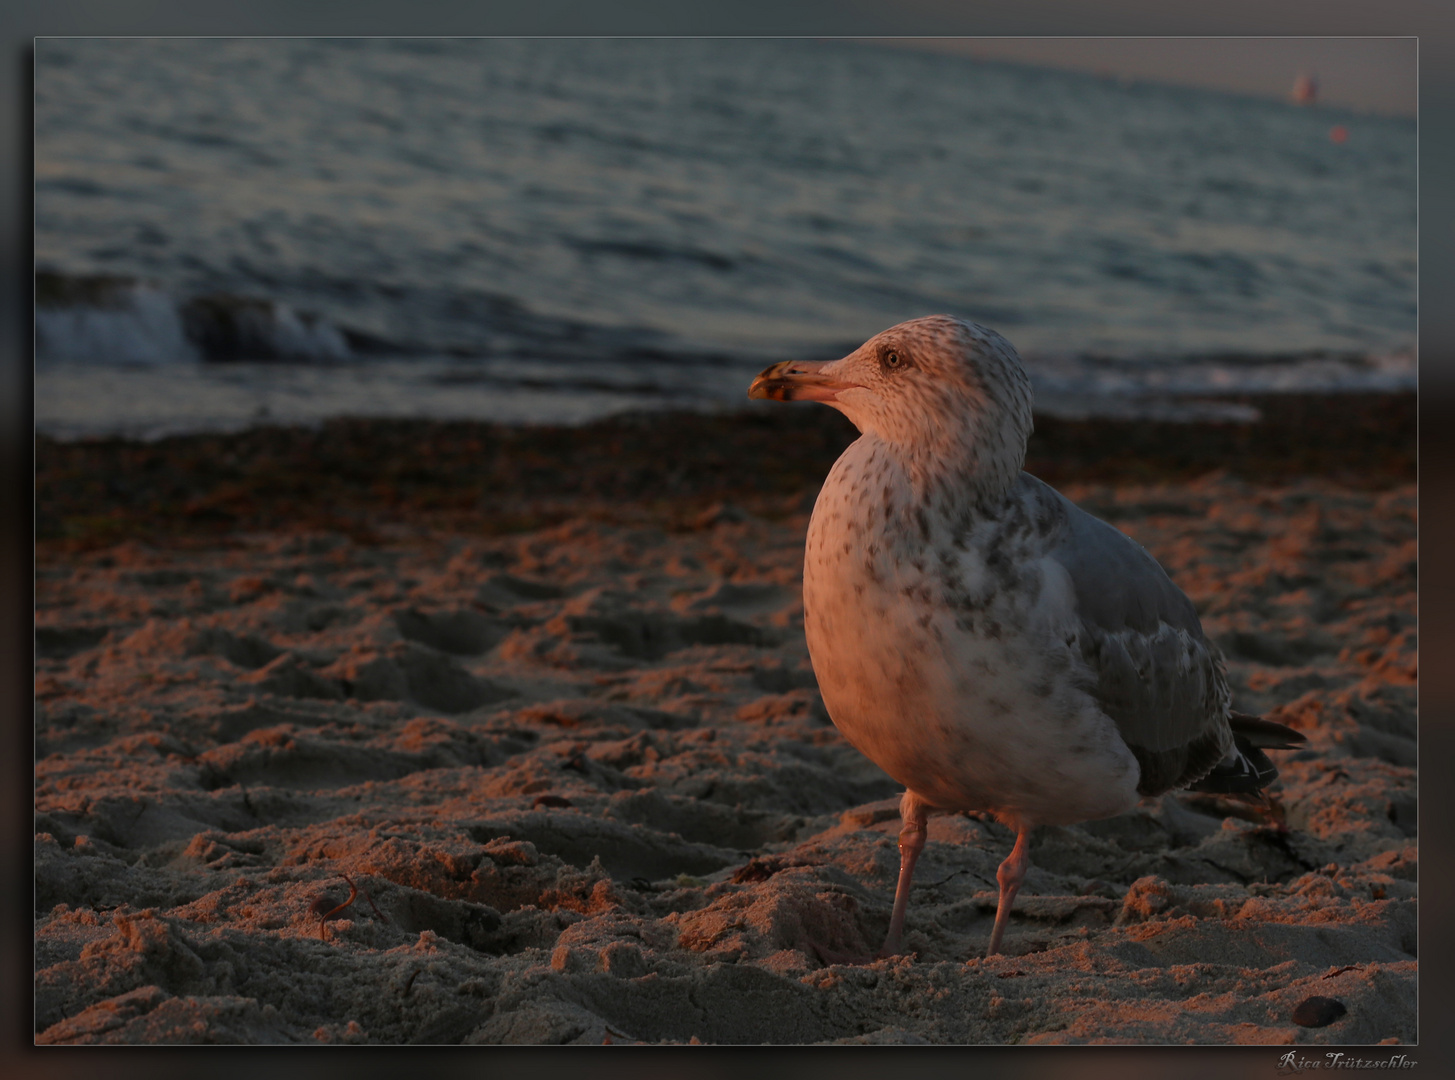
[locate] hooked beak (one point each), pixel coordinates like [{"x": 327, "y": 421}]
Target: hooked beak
[{"x": 797, "y": 380}]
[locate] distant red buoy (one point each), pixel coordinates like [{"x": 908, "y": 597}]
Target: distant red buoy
[{"x": 1338, "y": 133}]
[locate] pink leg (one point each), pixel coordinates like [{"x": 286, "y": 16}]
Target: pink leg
[
  {"x": 1010, "y": 875},
  {"x": 913, "y": 812}
]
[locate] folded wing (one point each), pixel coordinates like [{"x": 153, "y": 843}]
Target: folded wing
[{"x": 1155, "y": 673}]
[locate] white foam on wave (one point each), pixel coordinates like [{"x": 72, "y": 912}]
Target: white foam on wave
[
  {"x": 140, "y": 325},
  {"x": 1068, "y": 375},
  {"x": 307, "y": 337},
  {"x": 90, "y": 400},
  {"x": 137, "y": 323},
  {"x": 75, "y": 401}
]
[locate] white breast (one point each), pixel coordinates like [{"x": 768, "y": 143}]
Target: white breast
[{"x": 970, "y": 709}]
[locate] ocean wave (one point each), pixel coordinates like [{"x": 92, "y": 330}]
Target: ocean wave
[
  {"x": 121, "y": 320},
  {"x": 117, "y": 320},
  {"x": 107, "y": 319}
]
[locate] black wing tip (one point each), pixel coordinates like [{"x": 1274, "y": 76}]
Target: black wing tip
[
  {"x": 1248, "y": 770},
  {"x": 1264, "y": 734}
]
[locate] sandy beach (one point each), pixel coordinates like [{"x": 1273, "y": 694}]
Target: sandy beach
[{"x": 539, "y": 700}]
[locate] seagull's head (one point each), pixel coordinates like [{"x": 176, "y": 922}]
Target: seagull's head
[{"x": 948, "y": 395}]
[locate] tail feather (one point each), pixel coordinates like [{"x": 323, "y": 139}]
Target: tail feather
[{"x": 1247, "y": 769}]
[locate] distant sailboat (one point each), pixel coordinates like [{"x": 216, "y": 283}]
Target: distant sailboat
[{"x": 1305, "y": 89}]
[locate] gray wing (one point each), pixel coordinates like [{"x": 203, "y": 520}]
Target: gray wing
[{"x": 1156, "y": 674}]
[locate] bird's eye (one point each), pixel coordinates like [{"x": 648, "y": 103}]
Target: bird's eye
[{"x": 891, "y": 359}]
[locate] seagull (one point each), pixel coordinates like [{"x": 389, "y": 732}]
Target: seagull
[{"x": 983, "y": 640}]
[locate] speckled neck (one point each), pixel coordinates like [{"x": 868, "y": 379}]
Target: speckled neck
[{"x": 970, "y": 461}]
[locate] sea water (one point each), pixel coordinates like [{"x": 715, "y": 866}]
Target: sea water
[{"x": 237, "y": 231}]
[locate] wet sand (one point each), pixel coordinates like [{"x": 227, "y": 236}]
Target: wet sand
[{"x": 543, "y": 697}]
